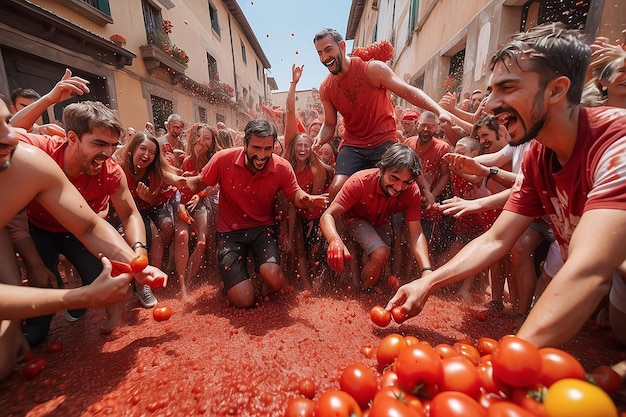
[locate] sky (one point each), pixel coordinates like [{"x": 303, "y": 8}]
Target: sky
[{"x": 285, "y": 30}]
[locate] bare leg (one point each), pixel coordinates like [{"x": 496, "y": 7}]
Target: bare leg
[
  {"x": 181, "y": 253},
  {"x": 242, "y": 294},
  {"x": 373, "y": 268},
  {"x": 335, "y": 186},
  {"x": 524, "y": 275}
]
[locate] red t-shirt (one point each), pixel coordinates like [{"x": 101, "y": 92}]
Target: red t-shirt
[
  {"x": 366, "y": 109},
  {"x": 305, "y": 181},
  {"x": 432, "y": 162},
  {"x": 96, "y": 189},
  {"x": 593, "y": 178},
  {"x": 363, "y": 198},
  {"x": 141, "y": 203},
  {"x": 247, "y": 200}
]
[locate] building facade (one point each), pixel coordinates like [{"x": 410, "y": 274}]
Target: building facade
[{"x": 145, "y": 58}]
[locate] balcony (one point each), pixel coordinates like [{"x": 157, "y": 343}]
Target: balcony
[{"x": 154, "y": 57}]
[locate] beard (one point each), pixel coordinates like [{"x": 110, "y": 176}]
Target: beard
[
  {"x": 252, "y": 162},
  {"x": 537, "y": 120},
  {"x": 339, "y": 65}
]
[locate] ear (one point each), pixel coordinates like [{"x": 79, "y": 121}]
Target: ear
[
  {"x": 71, "y": 135},
  {"x": 557, "y": 88}
]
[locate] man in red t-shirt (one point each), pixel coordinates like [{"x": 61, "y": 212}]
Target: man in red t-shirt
[
  {"x": 574, "y": 172},
  {"x": 359, "y": 90},
  {"x": 249, "y": 179},
  {"x": 366, "y": 202}
]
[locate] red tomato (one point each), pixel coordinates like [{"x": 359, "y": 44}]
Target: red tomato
[
  {"x": 389, "y": 379},
  {"x": 530, "y": 400},
  {"x": 418, "y": 364},
  {"x": 367, "y": 351},
  {"x": 118, "y": 268},
  {"x": 411, "y": 340},
  {"x": 138, "y": 263},
  {"x": 380, "y": 316},
  {"x": 487, "y": 345},
  {"x": 336, "y": 403},
  {"x": 557, "y": 364},
  {"x": 446, "y": 351},
  {"x": 508, "y": 409},
  {"x": 300, "y": 407},
  {"x": 468, "y": 351},
  {"x": 53, "y": 347},
  {"x": 517, "y": 362},
  {"x": 30, "y": 356},
  {"x": 393, "y": 404},
  {"x": 453, "y": 404},
  {"x": 34, "y": 367},
  {"x": 459, "y": 374},
  {"x": 606, "y": 378},
  {"x": 306, "y": 387},
  {"x": 489, "y": 383},
  {"x": 398, "y": 314},
  {"x": 389, "y": 347},
  {"x": 161, "y": 313},
  {"x": 360, "y": 382}
]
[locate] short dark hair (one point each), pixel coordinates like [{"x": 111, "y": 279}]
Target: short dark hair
[
  {"x": 489, "y": 121},
  {"x": 26, "y": 93},
  {"x": 553, "y": 51},
  {"x": 328, "y": 31},
  {"x": 399, "y": 157},
  {"x": 260, "y": 128},
  {"x": 85, "y": 116}
]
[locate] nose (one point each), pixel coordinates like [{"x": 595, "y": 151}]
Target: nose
[
  {"x": 6, "y": 137},
  {"x": 491, "y": 103}
]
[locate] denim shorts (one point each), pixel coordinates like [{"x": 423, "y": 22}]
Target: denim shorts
[{"x": 351, "y": 159}]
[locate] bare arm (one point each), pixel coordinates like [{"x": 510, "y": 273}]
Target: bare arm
[
  {"x": 327, "y": 132},
  {"x": 458, "y": 207},
  {"x": 585, "y": 278},
  {"x": 132, "y": 223},
  {"x": 418, "y": 244},
  {"x": 63, "y": 90},
  {"x": 337, "y": 250},
  {"x": 291, "y": 121},
  {"x": 474, "y": 257}
]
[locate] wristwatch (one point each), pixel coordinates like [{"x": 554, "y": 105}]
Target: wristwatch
[{"x": 492, "y": 172}]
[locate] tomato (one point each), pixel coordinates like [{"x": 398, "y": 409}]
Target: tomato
[
  {"x": 489, "y": 383},
  {"x": 30, "y": 356},
  {"x": 487, "y": 345},
  {"x": 453, "y": 404},
  {"x": 300, "y": 407},
  {"x": 516, "y": 362},
  {"x": 306, "y": 387},
  {"x": 606, "y": 378},
  {"x": 530, "y": 400},
  {"x": 389, "y": 379},
  {"x": 336, "y": 403},
  {"x": 418, "y": 364},
  {"x": 393, "y": 404},
  {"x": 367, "y": 351},
  {"x": 380, "y": 316},
  {"x": 459, "y": 374},
  {"x": 161, "y": 313},
  {"x": 446, "y": 351},
  {"x": 118, "y": 268},
  {"x": 398, "y": 314},
  {"x": 508, "y": 409},
  {"x": 557, "y": 364},
  {"x": 34, "y": 367},
  {"x": 411, "y": 340},
  {"x": 468, "y": 351},
  {"x": 571, "y": 397},
  {"x": 360, "y": 382},
  {"x": 389, "y": 347},
  {"x": 53, "y": 347},
  {"x": 138, "y": 263}
]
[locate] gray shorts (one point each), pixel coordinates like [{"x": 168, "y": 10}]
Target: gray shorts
[{"x": 370, "y": 237}]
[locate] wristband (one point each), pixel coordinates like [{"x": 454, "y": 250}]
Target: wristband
[
  {"x": 428, "y": 268},
  {"x": 138, "y": 245}
]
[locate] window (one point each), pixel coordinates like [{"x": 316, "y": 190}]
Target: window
[
  {"x": 102, "y": 5},
  {"x": 161, "y": 109},
  {"x": 215, "y": 24},
  {"x": 414, "y": 9},
  {"x": 212, "y": 63},
  {"x": 152, "y": 19},
  {"x": 220, "y": 118},
  {"x": 97, "y": 11},
  {"x": 258, "y": 72},
  {"x": 202, "y": 115},
  {"x": 243, "y": 53},
  {"x": 571, "y": 12},
  {"x": 456, "y": 70}
]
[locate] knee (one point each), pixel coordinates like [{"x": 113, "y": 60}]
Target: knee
[
  {"x": 380, "y": 255},
  {"x": 242, "y": 295},
  {"x": 272, "y": 275}
]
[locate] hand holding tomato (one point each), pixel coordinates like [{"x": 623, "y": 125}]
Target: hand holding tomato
[
  {"x": 409, "y": 300},
  {"x": 336, "y": 253}
]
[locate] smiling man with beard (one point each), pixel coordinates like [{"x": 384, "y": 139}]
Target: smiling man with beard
[
  {"x": 366, "y": 202},
  {"x": 575, "y": 173},
  {"x": 359, "y": 90},
  {"x": 249, "y": 180},
  {"x": 84, "y": 154}
]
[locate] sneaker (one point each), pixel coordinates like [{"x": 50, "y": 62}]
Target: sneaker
[
  {"x": 69, "y": 317},
  {"x": 146, "y": 297}
]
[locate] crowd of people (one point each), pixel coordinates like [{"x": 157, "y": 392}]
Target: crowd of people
[{"x": 433, "y": 192}]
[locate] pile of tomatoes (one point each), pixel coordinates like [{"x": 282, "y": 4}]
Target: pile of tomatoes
[{"x": 506, "y": 378}]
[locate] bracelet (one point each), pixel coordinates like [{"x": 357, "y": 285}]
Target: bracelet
[
  {"x": 138, "y": 245},
  {"x": 428, "y": 268}
]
